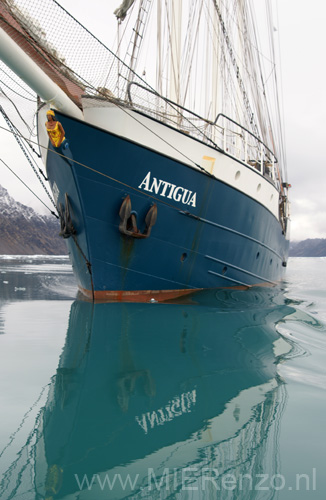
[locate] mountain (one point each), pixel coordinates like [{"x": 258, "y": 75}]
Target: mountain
[
  {"x": 308, "y": 248},
  {"x": 25, "y": 232}
]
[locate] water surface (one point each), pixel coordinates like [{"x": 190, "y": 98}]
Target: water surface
[{"x": 220, "y": 397}]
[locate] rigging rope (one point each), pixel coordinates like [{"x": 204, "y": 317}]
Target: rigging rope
[
  {"x": 52, "y": 61},
  {"x": 15, "y": 92},
  {"x": 159, "y": 200},
  {"x": 108, "y": 176},
  {"x": 51, "y": 57},
  {"x": 237, "y": 70},
  {"x": 17, "y": 136},
  {"x": 16, "y": 109},
  {"x": 5, "y": 164},
  {"x": 16, "y": 83}
]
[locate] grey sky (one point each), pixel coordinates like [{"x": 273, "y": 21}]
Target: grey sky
[
  {"x": 302, "y": 33},
  {"x": 303, "y": 38}
]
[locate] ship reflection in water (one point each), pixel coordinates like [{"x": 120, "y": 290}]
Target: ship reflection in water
[{"x": 165, "y": 400}]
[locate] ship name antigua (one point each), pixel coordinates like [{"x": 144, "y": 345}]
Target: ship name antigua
[{"x": 168, "y": 190}]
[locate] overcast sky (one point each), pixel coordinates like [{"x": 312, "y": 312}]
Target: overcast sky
[{"x": 301, "y": 30}]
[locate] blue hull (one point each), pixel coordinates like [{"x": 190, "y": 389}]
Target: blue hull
[{"x": 220, "y": 238}]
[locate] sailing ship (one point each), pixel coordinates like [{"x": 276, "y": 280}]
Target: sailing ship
[{"x": 167, "y": 182}]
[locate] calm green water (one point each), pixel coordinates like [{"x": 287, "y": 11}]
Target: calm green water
[{"x": 221, "y": 398}]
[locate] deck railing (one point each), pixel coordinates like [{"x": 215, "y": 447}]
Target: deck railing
[{"x": 224, "y": 133}]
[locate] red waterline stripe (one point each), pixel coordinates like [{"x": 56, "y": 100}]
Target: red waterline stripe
[{"x": 136, "y": 295}]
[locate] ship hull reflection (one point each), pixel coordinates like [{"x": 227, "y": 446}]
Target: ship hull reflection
[{"x": 148, "y": 391}]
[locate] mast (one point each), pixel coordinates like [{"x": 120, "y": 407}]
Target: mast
[
  {"x": 159, "y": 55},
  {"x": 175, "y": 49}
]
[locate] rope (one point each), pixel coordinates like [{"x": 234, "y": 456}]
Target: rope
[
  {"x": 97, "y": 91},
  {"x": 113, "y": 179},
  {"x": 13, "y": 435},
  {"x": 5, "y": 164},
  {"x": 17, "y": 136},
  {"x": 105, "y": 175},
  {"x": 16, "y": 109},
  {"x": 15, "y": 92},
  {"x": 166, "y": 142},
  {"x": 122, "y": 108},
  {"x": 18, "y": 84},
  {"x": 237, "y": 69},
  {"x": 87, "y": 262},
  {"x": 117, "y": 73}
]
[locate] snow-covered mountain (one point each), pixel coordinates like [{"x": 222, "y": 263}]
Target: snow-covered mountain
[
  {"x": 25, "y": 232},
  {"x": 12, "y": 208}
]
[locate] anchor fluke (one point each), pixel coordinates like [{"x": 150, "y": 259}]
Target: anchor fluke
[
  {"x": 128, "y": 220},
  {"x": 67, "y": 228}
]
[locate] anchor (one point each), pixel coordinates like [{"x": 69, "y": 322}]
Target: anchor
[
  {"x": 67, "y": 228},
  {"x": 128, "y": 223}
]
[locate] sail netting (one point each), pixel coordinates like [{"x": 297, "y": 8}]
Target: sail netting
[
  {"x": 203, "y": 87},
  {"x": 79, "y": 63},
  {"x": 73, "y": 58}
]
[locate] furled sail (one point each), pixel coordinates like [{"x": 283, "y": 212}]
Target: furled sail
[{"x": 122, "y": 11}]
